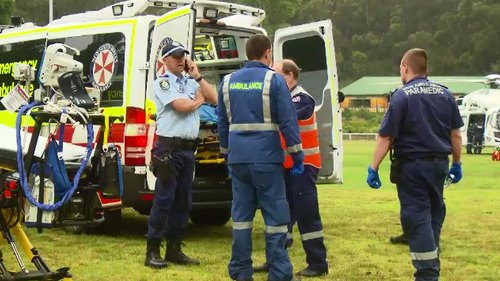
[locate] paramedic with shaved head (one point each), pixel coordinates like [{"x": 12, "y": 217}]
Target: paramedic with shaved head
[
  {"x": 421, "y": 128},
  {"x": 301, "y": 189},
  {"x": 254, "y": 106}
]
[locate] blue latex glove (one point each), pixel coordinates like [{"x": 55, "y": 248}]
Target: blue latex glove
[
  {"x": 373, "y": 179},
  {"x": 456, "y": 170},
  {"x": 297, "y": 169},
  {"x": 298, "y": 163}
]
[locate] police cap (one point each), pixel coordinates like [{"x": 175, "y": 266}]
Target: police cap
[{"x": 174, "y": 48}]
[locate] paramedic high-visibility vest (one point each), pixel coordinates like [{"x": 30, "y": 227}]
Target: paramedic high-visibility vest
[{"x": 309, "y": 136}]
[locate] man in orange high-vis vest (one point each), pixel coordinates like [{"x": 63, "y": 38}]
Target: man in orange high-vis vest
[{"x": 302, "y": 194}]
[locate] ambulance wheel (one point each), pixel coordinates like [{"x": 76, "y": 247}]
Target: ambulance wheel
[{"x": 211, "y": 217}]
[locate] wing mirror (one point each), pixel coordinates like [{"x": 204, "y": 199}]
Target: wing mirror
[{"x": 341, "y": 96}]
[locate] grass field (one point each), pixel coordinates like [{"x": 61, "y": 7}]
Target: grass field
[{"x": 358, "y": 222}]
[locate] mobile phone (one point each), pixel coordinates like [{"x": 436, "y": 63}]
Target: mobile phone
[{"x": 186, "y": 67}]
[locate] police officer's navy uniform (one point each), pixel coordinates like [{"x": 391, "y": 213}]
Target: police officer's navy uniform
[
  {"x": 173, "y": 162},
  {"x": 254, "y": 106},
  {"x": 420, "y": 119}
]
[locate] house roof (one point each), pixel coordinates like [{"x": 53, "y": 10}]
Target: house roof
[{"x": 382, "y": 85}]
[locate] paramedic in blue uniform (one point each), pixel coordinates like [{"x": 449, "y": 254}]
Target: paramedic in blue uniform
[
  {"x": 254, "y": 106},
  {"x": 177, "y": 98},
  {"x": 301, "y": 189},
  {"x": 423, "y": 126}
]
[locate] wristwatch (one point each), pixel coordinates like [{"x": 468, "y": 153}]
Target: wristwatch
[{"x": 199, "y": 78}]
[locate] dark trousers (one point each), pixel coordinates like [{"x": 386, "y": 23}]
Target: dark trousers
[
  {"x": 478, "y": 144},
  {"x": 171, "y": 208},
  {"x": 302, "y": 197},
  {"x": 423, "y": 212},
  {"x": 470, "y": 139}
]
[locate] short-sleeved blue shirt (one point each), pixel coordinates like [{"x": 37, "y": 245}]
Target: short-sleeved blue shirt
[
  {"x": 420, "y": 118},
  {"x": 169, "y": 122}
]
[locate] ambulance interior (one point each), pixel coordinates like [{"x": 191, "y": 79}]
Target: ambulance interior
[{"x": 217, "y": 52}]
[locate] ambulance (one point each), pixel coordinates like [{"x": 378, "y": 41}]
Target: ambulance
[{"x": 119, "y": 47}]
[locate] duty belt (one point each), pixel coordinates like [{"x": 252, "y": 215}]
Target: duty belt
[
  {"x": 177, "y": 142},
  {"x": 424, "y": 158}
]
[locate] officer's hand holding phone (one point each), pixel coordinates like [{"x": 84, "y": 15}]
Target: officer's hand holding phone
[{"x": 191, "y": 68}]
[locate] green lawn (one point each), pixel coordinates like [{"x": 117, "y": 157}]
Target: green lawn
[{"x": 358, "y": 222}]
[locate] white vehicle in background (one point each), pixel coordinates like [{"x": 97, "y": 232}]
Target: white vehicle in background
[{"x": 482, "y": 104}]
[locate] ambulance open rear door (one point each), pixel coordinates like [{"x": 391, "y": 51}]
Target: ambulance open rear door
[
  {"x": 177, "y": 25},
  {"x": 311, "y": 47}
]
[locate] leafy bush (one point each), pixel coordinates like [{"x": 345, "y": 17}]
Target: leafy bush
[{"x": 362, "y": 121}]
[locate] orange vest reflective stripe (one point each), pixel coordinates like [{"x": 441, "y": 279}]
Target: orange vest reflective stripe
[{"x": 310, "y": 141}]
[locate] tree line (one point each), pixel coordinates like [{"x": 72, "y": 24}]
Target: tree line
[{"x": 461, "y": 36}]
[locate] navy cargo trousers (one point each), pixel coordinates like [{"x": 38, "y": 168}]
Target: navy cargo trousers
[{"x": 423, "y": 211}]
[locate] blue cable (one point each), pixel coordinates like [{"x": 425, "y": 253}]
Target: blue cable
[
  {"x": 120, "y": 180},
  {"x": 22, "y": 173}
]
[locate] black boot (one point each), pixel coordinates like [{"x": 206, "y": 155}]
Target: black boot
[
  {"x": 311, "y": 273},
  {"x": 261, "y": 268},
  {"x": 401, "y": 239},
  {"x": 174, "y": 254},
  {"x": 153, "y": 257}
]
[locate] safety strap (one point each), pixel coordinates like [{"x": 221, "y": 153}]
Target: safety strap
[{"x": 61, "y": 132}]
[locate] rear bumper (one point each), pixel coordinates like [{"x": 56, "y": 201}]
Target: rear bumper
[{"x": 208, "y": 193}]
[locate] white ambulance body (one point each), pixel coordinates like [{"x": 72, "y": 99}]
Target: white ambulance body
[{"x": 119, "y": 49}]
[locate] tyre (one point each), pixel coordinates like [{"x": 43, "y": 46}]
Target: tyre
[{"x": 211, "y": 217}]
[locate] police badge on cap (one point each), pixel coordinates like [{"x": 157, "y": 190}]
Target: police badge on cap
[{"x": 174, "y": 48}]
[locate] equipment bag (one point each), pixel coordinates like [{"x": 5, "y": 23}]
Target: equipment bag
[{"x": 55, "y": 184}]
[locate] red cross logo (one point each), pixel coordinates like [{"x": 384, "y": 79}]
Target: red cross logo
[
  {"x": 160, "y": 68},
  {"x": 103, "y": 68}
]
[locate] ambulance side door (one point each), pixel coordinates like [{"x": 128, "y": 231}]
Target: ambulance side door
[
  {"x": 311, "y": 47},
  {"x": 177, "y": 25}
]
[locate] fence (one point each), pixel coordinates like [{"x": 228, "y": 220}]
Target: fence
[
  {"x": 370, "y": 109},
  {"x": 360, "y": 136}
]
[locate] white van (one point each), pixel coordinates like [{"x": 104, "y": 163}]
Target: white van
[{"x": 119, "y": 49}]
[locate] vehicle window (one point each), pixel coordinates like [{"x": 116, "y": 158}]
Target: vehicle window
[
  {"x": 103, "y": 59},
  {"x": 28, "y": 52},
  {"x": 314, "y": 74}
]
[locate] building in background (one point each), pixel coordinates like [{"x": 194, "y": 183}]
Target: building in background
[{"x": 372, "y": 92}]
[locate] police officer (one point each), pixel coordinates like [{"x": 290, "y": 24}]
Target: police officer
[
  {"x": 301, "y": 189},
  {"x": 478, "y": 130},
  {"x": 422, "y": 125},
  {"x": 177, "y": 98},
  {"x": 254, "y": 106}
]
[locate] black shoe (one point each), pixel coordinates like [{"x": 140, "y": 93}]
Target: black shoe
[
  {"x": 311, "y": 273},
  {"x": 153, "y": 257},
  {"x": 261, "y": 268},
  {"x": 174, "y": 254},
  {"x": 401, "y": 239}
]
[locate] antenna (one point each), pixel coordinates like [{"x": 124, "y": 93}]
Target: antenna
[{"x": 51, "y": 11}]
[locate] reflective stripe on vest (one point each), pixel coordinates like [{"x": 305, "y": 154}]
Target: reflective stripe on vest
[
  {"x": 266, "y": 106},
  {"x": 309, "y": 139}
]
